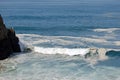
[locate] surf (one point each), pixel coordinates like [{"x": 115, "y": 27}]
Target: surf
[{"x": 64, "y": 45}]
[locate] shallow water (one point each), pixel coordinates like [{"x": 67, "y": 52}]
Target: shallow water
[{"x": 37, "y": 66}]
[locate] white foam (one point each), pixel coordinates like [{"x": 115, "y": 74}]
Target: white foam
[
  {"x": 108, "y": 30},
  {"x": 22, "y": 46},
  {"x": 95, "y": 40},
  {"x": 66, "y": 51},
  {"x": 25, "y": 46},
  {"x": 102, "y": 53},
  {"x": 66, "y": 41},
  {"x": 117, "y": 43}
]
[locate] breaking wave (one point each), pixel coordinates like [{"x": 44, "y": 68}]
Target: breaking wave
[{"x": 67, "y": 45}]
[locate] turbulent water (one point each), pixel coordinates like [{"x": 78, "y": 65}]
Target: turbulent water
[{"x": 69, "y": 39}]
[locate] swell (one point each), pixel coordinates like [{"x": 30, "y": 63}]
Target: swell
[
  {"x": 84, "y": 52},
  {"x": 47, "y": 17},
  {"x": 113, "y": 53}
]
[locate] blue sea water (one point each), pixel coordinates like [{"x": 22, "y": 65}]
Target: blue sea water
[{"x": 63, "y": 26}]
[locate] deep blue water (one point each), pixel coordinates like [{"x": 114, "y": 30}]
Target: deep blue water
[{"x": 60, "y": 17}]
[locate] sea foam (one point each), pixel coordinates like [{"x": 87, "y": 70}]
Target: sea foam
[
  {"x": 84, "y": 52},
  {"x": 66, "y": 51}
]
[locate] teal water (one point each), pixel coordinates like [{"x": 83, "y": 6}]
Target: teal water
[{"x": 67, "y": 25}]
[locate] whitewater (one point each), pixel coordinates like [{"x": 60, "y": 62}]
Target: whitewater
[
  {"x": 63, "y": 39},
  {"x": 63, "y": 58}
]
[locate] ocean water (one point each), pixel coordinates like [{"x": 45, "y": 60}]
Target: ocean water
[{"x": 69, "y": 39}]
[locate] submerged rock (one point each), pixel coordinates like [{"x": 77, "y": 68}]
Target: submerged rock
[{"x": 9, "y": 42}]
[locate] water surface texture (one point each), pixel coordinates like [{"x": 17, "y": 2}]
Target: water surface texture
[{"x": 60, "y": 32}]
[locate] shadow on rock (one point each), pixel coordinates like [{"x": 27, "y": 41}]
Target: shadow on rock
[{"x": 9, "y": 42}]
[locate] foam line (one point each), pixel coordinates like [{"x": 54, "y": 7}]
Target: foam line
[
  {"x": 66, "y": 51},
  {"x": 100, "y": 53},
  {"x": 109, "y": 30}
]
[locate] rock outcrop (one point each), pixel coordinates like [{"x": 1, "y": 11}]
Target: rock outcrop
[{"x": 9, "y": 42}]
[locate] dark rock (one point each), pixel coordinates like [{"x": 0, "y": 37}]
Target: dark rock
[
  {"x": 5, "y": 48},
  {"x": 1, "y": 20},
  {"x": 14, "y": 40},
  {"x": 3, "y": 30},
  {"x": 9, "y": 42}
]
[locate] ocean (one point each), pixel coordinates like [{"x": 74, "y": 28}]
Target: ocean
[{"x": 69, "y": 39}]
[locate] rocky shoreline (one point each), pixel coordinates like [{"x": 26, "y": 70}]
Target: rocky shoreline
[{"x": 9, "y": 42}]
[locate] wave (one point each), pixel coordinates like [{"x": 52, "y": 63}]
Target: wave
[
  {"x": 90, "y": 55},
  {"x": 113, "y": 53},
  {"x": 84, "y": 52},
  {"x": 48, "y": 17},
  {"x": 65, "y": 51},
  {"x": 64, "y": 45},
  {"x": 108, "y": 30},
  {"x": 111, "y": 42}
]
